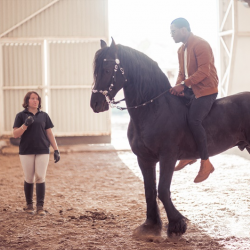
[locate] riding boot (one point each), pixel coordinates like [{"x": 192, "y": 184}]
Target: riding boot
[
  {"x": 184, "y": 163},
  {"x": 40, "y": 194},
  {"x": 28, "y": 191},
  {"x": 205, "y": 170}
]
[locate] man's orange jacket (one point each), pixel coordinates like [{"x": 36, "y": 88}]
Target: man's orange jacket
[{"x": 202, "y": 74}]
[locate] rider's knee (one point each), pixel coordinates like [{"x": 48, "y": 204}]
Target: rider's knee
[{"x": 193, "y": 122}]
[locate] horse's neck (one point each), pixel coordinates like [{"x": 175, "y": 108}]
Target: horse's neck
[
  {"x": 145, "y": 78},
  {"x": 164, "y": 105},
  {"x": 145, "y": 82},
  {"x": 138, "y": 95}
]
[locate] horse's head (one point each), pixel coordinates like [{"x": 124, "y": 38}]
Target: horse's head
[{"x": 109, "y": 77}]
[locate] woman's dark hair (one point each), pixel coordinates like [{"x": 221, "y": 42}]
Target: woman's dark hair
[
  {"x": 181, "y": 22},
  {"x": 27, "y": 97}
]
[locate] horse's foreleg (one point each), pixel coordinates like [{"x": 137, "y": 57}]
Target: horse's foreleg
[
  {"x": 152, "y": 225},
  {"x": 177, "y": 222}
]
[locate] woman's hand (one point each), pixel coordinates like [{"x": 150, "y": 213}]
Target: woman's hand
[
  {"x": 29, "y": 121},
  {"x": 56, "y": 156}
]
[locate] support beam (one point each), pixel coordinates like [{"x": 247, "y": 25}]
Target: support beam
[
  {"x": 234, "y": 40},
  {"x": 226, "y": 33},
  {"x": 1, "y": 92},
  {"x": 226, "y": 15},
  {"x": 28, "y": 18}
]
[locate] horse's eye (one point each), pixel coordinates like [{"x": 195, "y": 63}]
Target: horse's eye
[{"x": 107, "y": 71}]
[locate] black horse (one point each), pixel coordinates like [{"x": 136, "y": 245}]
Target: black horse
[{"x": 158, "y": 129}]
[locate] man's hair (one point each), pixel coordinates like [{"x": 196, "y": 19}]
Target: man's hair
[{"x": 181, "y": 22}]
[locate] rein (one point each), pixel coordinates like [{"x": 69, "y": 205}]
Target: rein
[
  {"x": 140, "y": 105},
  {"x": 112, "y": 103}
]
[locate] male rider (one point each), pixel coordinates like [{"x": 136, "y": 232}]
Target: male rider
[{"x": 196, "y": 71}]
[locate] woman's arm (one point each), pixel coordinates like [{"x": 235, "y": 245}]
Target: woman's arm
[
  {"x": 17, "y": 132},
  {"x": 51, "y": 138}
]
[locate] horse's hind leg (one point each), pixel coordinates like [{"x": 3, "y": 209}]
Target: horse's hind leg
[
  {"x": 177, "y": 222},
  {"x": 152, "y": 226}
]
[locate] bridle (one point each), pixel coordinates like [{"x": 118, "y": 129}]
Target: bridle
[
  {"x": 112, "y": 103},
  {"x": 106, "y": 93}
]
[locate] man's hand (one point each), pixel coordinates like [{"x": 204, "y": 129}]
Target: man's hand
[
  {"x": 56, "y": 156},
  {"x": 177, "y": 90},
  {"x": 29, "y": 121}
]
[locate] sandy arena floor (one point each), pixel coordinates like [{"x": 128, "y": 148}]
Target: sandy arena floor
[{"x": 94, "y": 200}]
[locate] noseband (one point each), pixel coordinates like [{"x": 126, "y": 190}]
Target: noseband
[{"x": 106, "y": 93}]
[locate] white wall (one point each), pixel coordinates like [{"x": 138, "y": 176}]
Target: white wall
[{"x": 49, "y": 46}]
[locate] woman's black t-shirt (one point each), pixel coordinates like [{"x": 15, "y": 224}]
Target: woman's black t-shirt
[{"x": 34, "y": 140}]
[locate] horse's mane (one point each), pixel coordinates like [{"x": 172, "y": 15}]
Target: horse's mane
[
  {"x": 147, "y": 78},
  {"x": 100, "y": 55}
]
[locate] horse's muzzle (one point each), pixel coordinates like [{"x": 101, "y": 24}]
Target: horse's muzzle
[{"x": 98, "y": 103}]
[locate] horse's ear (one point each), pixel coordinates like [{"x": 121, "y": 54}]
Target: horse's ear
[
  {"x": 103, "y": 44},
  {"x": 113, "y": 46}
]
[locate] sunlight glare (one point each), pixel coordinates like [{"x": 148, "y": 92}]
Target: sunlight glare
[{"x": 144, "y": 25}]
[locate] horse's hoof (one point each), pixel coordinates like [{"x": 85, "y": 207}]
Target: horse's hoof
[
  {"x": 148, "y": 232},
  {"x": 177, "y": 228}
]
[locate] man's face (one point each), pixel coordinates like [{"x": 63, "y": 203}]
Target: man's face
[{"x": 176, "y": 33}]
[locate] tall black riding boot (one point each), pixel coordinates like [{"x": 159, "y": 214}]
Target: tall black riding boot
[
  {"x": 28, "y": 191},
  {"x": 40, "y": 194}
]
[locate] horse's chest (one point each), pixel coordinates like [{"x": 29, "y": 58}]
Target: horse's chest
[{"x": 144, "y": 140}]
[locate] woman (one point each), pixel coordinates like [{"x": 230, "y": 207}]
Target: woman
[{"x": 34, "y": 128}]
